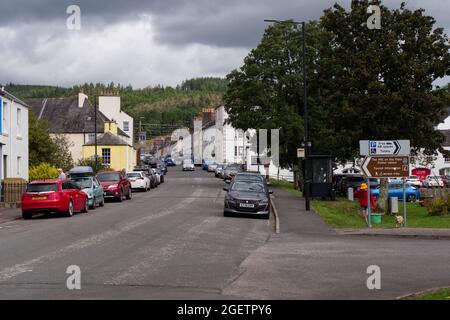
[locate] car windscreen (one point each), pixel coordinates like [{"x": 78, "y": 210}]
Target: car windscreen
[
  {"x": 108, "y": 177},
  {"x": 134, "y": 175},
  {"x": 249, "y": 177},
  {"x": 83, "y": 182},
  {"x": 247, "y": 186},
  {"x": 42, "y": 187}
]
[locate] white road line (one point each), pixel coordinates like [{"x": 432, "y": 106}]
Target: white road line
[{"x": 27, "y": 266}]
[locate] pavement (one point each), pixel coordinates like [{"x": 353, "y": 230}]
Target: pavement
[
  {"x": 9, "y": 214},
  {"x": 174, "y": 243}
]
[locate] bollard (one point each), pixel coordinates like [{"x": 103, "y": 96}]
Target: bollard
[{"x": 350, "y": 193}]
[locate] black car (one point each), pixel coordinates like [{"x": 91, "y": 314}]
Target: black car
[
  {"x": 250, "y": 176},
  {"x": 151, "y": 161},
  {"x": 149, "y": 173},
  {"x": 246, "y": 197},
  {"x": 354, "y": 181},
  {"x": 231, "y": 170},
  {"x": 162, "y": 166}
]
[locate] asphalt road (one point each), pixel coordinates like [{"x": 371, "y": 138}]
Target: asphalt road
[
  {"x": 174, "y": 243},
  {"x": 171, "y": 242}
]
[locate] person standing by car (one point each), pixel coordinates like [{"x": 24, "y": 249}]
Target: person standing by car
[
  {"x": 361, "y": 194},
  {"x": 62, "y": 175}
]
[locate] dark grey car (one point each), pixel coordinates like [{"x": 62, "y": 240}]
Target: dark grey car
[
  {"x": 246, "y": 197},
  {"x": 231, "y": 170}
]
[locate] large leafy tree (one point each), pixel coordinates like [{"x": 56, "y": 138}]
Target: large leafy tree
[
  {"x": 267, "y": 91},
  {"x": 41, "y": 146},
  {"x": 378, "y": 84}
]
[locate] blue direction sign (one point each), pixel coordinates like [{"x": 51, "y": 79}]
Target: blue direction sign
[{"x": 384, "y": 147}]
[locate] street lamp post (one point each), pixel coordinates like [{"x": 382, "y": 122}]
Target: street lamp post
[
  {"x": 95, "y": 131},
  {"x": 305, "y": 108}
]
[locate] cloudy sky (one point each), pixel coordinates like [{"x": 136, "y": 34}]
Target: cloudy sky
[{"x": 147, "y": 42}]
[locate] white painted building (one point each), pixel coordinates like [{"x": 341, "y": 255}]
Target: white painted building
[
  {"x": 13, "y": 137},
  {"x": 110, "y": 106}
]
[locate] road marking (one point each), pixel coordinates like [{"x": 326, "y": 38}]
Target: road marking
[{"x": 27, "y": 266}]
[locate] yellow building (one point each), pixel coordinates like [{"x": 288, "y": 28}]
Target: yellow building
[{"x": 115, "y": 153}]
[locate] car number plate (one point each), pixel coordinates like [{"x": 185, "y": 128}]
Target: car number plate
[
  {"x": 39, "y": 198},
  {"x": 247, "y": 205}
]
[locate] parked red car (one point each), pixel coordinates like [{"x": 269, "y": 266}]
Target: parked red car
[
  {"x": 115, "y": 184},
  {"x": 46, "y": 196}
]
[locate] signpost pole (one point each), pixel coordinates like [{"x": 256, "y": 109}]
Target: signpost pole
[
  {"x": 369, "y": 220},
  {"x": 404, "y": 202}
]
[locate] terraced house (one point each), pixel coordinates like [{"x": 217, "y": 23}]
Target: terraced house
[
  {"x": 73, "y": 117},
  {"x": 13, "y": 137}
]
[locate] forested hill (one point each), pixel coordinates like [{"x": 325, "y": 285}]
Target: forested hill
[{"x": 157, "y": 105}]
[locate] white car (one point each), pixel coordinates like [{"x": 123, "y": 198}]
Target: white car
[
  {"x": 139, "y": 180},
  {"x": 433, "y": 181},
  {"x": 414, "y": 181},
  {"x": 187, "y": 164},
  {"x": 212, "y": 167}
]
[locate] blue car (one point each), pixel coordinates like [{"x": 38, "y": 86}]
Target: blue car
[
  {"x": 169, "y": 162},
  {"x": 204, "y": 165},
  {"x": 88, "y": 183},
  {"x": 396, "y": 190}
]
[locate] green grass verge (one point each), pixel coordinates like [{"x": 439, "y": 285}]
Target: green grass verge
[
  {"x": 345, "y": 214},
  {"x": 443, "y": 294},
  {"x": 285, "y": 185}
]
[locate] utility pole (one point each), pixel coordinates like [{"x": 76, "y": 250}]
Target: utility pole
[{"x": 306, "y": 185}]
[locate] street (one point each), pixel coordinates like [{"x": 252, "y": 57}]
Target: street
[{"x": 174, "y": 243}]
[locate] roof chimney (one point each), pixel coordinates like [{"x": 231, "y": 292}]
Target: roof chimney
[{"x": 81, "y": 98}]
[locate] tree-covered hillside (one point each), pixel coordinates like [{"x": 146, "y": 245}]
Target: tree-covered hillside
[{"x": 160, "y": 107}]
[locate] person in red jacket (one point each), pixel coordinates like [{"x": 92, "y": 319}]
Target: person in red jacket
[{"x": 361, "y": 194}]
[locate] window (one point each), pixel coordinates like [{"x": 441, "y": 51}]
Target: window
[
  {"x": 241, "y": 151},
  {"x": 19, "y": 164},
  {"x": 5, "y": 117},
  {"x": 447, "y": 159},
  {"x": 235, "y": 151},
  {"x": 19, "y": 114},
  {"x": 239, "y": 134},
  {"x": 126, "y": 126},
  {"x": 106, "y": 156},
  {"x": 91, "y": 137}
]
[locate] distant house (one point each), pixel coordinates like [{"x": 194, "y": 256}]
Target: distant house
[
  {"x": 115, "y": 152},
  {"x": 110, "y": 106},
  {"x": 72, "y": 117},
  {"x": 13, "y": 137}
]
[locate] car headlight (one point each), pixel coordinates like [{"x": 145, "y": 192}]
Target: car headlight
[
  {"x": 113, "y": 186},
  {"x": 264, "y": 201},
  {"x": 87, "y": 193},
  {"x": 229, "y": 198}
]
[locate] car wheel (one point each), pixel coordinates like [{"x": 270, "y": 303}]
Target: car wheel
[
  {"x": 26, "y": 216},
  {"x": 411, "y": 198},
  {"x": 94, "y": 204},
  {"x": 86, "y": 206},
  {"x": 129, "y": 195},
  {"x": 69, "y": 211}
]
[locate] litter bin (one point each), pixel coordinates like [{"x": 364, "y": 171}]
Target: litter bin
[
  {"x": 375, "y": 218},
  {"x": 393, "y": 205}
]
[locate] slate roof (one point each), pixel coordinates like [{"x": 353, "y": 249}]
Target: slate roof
[
  {"x": 64, "y": 115},
  {"x": 107, "y": 139}
]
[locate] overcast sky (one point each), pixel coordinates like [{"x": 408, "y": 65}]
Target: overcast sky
[{"x": 147, "y": 42}]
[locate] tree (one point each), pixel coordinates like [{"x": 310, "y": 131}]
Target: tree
[
  {"x": 41, "y": 146},
  {"x": 267, "y": 91},
  {"x": 378, "y": 84},
  {"x": 62, "y": 157}
]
